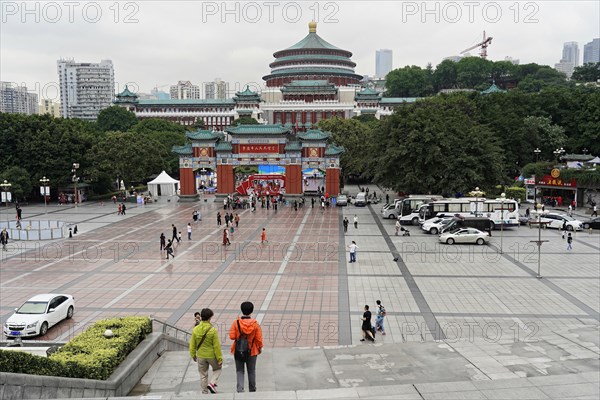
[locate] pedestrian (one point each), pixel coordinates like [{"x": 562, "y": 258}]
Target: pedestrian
[
  {"x": 174, "y": 238},
  {"x": 353, "y": 247},
  {"x": 195, "y": 216},
  {"x": 178, "y": 236},
  {"x": 367, "y": 328},
  {"x": 123, "y": 209},
  {"x": 387, "y": 198},
  {"x": 527, "y": 212},
  {"x": 218, "y": 219},
  {"x": 397, "y": 226},
  {"x": 169, "y": 249},
  {"x": 237, "y": 220},
  {"x": 226, "y": 241},
  {"x": 19, "y": 211},
  {"x": 205, "y": 349},
  {"x": 570, "y": 210},
  {"x": 4, "y": 238},
  {"x": 355, "y": 221},
  {"x": 381, "y": 314},
  {"x": 263, "y": 236},
  {"x": 247, "y": 345},
  {"x": 295, "y": 205},
  {"x": 227, "y": 220},
  {"x": 312, "y": 202},
  {"x": 162, "y": 241},
  {"x": 569, "y": 242},
  {"x": 594, "y": 210},
  {"x": 119, "y": 209},
  {"x": 345, "y": 223},
  {"x": 564, "y": 229},
  {"x": 189, "y": 229},
  {"x": 196, "y": 318},
  {"x": 323, "y": 204},
  {"x": 225, "y": 204}
]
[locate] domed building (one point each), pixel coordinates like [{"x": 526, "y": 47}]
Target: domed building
[{"x": 312, "y": 59}]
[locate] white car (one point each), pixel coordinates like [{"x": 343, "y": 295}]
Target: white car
[
  {"x": 341, "y": 200},
  {"x": 465, "y": 235},
  {"x": 553, "y": 220},
  {"x": 38, "y": 314},
  {"x": 434, "y": 225}
]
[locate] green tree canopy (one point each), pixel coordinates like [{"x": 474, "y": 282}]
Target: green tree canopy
[
  {"x": 589, "y": 72},
  {"x": 116, "y": 118},
  {"x": 21, "y": 185},
  {"x": 410, "y": 81}
]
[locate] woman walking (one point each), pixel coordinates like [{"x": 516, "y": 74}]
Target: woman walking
[
  {"x": 205, "y": 349},
  {"x": 225, "y": 238},
  {"x": 163, "y": 242}
]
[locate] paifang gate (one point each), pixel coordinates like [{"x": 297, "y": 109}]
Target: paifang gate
[{"x": 269, "y": 159}]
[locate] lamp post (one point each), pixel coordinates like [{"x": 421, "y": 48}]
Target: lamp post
[
  {"x": 75, "y": 179},
  {"x": 539, "y": 241},
  {"x": 45, "y": 191},
  {"x": 558, "y": 153},
  {"x": 477, "y": 194},
  {"x": 6, "y": 196},
  {"x": 585, "y": 151},
  {"x": 502, "y": 198},
  {"x": 537, "y": 152}
]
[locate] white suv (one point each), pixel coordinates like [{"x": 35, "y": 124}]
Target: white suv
[
  {"x": 434, "y": 225},
  {"x": 556, "y": 221}
]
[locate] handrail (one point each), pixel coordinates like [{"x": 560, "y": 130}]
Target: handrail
[{"x": 168, "y": 329}]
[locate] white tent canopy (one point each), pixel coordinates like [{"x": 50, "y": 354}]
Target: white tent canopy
[{"x": 163, "y": 185}]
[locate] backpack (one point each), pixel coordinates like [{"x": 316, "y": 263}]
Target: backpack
[{"x": 242, "y": 348}]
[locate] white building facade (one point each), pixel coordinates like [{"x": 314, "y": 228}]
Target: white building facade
[
  {"x": 16, "y": 99},
  {"x": 185, "y": 90},
  {"x": 85, "y": 88}
]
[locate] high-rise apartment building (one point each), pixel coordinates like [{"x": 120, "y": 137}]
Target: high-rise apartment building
[
  {"x": 16, "y": 99},
  {"x": 217, "y": 89},
  {"x": 570, "y": 53},
  {"x": 49, "y": 107},
  {"x": 591, "y": 51},
  {"x": 565, "y": 67},
  {"x": 383, "y": 62},
  {"x": 85, "y": 88},
  {"x": 184, "y": 90}
]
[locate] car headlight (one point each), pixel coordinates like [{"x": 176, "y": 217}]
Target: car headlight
[{"x": 32, "y": 325}]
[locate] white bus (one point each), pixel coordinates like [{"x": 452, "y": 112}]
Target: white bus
[
  {"x": 474, "y": 207},
  {"x": 407, "y": 209}
]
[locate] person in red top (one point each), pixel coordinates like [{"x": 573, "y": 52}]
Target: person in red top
[{"x": 251, "y": 329}]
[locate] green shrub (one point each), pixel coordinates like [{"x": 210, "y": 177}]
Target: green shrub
[
  {"x": 89, "y": 355},
  {"x": 517, "y": 193}
]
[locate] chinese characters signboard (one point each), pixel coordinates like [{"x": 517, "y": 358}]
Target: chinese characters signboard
[
  {"x": 548, "y": 180},
  {"x": 259, "y": 148}
]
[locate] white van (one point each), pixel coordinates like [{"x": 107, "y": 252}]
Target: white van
[{"x": 361, "y": 199}]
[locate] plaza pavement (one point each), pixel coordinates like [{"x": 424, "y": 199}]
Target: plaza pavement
[{"x": 463, "y": 321}]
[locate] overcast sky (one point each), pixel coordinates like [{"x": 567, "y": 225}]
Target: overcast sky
[{"x": 157, "y": 43}]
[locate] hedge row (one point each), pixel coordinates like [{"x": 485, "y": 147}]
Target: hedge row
[{"x": 89, "y": 355}]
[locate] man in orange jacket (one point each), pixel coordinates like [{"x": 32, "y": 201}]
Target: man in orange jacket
[{"x": 248, "y": 327}]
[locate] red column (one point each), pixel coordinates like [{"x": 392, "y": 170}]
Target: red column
[
  {"x": 187, "y": 184},
  {"x": 293, "y": 179},
  {"x": 332, "y": 181},
  {"x": 225, "y": 181}
]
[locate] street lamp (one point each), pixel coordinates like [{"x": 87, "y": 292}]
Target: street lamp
[
  {"x": 477, "y": 194},
  {"x": 558, "y": 153},
  {"x": 539, "y": 241},
  {"x": 502, "y": 198},
  {"x": 75, "y": 179},
  {"x": 45, "y": 191},
  {"x": 537, "y": 152},
  {"x": 6, "y": 196},
  {"x": 584, "y": 151}
]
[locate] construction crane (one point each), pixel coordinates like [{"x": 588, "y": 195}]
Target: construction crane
[{"x": 484, "y": 44}]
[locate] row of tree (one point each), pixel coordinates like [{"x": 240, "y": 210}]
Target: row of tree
[
  {"x": 450, "y": 144},
  {"x": 118, "y": 144},
  {"x": 477, "y": 73}
]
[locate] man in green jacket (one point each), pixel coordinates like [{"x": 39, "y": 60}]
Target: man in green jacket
[{"x": 205, "y": 348}]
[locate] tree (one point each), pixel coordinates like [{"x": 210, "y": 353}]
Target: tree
[
  {"x": 589, "y": 72},
  {"x": 20, "y": 181},
  {"x": 435, "y": 146},
  {"x": 547, "y": 136},
  {"x": 473, "y": 71},
  {"x": 167, "y": 133},
  {"x": 127, "y": 154},
  {"x": 410, "y": 81},
  {"x": 116, "y": 118},
  {"x": 444, "y": 76},
  {"x": 245, "y": 121}
]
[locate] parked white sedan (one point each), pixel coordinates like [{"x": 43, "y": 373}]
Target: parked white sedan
[
  {"x": 38, "y": 314},
  {"x": 465, "y": 235}
]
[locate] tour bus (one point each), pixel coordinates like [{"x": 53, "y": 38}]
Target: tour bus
[
  {"x": 500, "y": 212},
  {"x": 407, "y": 209}
]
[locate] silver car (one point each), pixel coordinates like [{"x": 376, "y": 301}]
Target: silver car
[
  {"x": 341, "y": 200},
  {"x": 465, "y": 235}
]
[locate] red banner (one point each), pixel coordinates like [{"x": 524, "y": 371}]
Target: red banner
[
  {"x": 548, "y": 180},
  {"x": 259, "y": 148}
]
